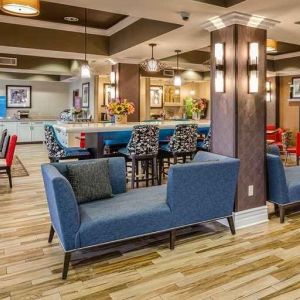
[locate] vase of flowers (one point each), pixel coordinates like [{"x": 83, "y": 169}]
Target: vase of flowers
[
  {"x": 199, "y": 107},
  {"x": 120, "y": 109}
]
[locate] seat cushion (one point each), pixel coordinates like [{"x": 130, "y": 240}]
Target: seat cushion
[
  {"x": 76, "y": 152},
  {"x": 124, "y": 151},
  {"x": 90, "y": 180},
  {"x": 115, "y": 142},
  {"x": 292, "y": 175},
  {"x": 130, "y": 214}
]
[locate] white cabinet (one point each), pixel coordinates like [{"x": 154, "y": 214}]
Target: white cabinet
[
  {"x": 12, "y": 127},
  {"x": 24, "y": 132},
  {"x": 37, "y": 131}
]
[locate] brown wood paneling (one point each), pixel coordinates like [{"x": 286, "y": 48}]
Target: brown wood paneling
[
  {"x": 238, "y": 118},
  {"x": 251, "y": 120},
  {"x": 140, "y": 31},
  {"x": 128, "y": 87},
  {"x": 224, "y": 104},
  {"x": 51, "y": 39}
]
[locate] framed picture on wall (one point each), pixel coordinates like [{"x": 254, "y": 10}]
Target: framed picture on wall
[
  {"x": 107, "y": 93},
  {"x": 295, "y": 91},
  {"x": 86, "y": 95},
  {"x": 156, "y": 96},
  {"x": 18, "y": 96},
  {"x": 171, "y": 95}
]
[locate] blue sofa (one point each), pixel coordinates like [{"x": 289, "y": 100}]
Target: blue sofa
[
  {"x": 283, "y": 183},
  {"x": 201, "y": 191}
]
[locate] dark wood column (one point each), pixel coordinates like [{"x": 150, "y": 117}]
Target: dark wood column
[
  {"x": 128, "y": 86},
  {"x": 238, "y": 117}
]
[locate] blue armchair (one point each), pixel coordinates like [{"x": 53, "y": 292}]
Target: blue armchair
[
  {"x": 283, "y": 183},
  {"x": 197, "y": 192}
]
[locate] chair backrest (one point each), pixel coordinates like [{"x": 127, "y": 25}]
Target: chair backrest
[
  {"x": 4, "y": 150},
  {"x": 144, "y": 140},
  {"x": 184, "y": 139},
  {"x": 11, "y": 150},
  {"x": 298, "y": 144},
  {"x": 54, "y": 147},
  {"x": 273, "y": 149},
  {"x": 277, "y": 186},
  {"x": 271, "y": 127},
  {"x": 280, "y": 131},
  {"x": 3, "y": 135}
]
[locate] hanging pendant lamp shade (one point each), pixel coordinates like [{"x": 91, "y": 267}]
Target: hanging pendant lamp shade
[
  {"x": 152, "y": 65},
  {"x": 85, "y": 68},
  {"x": 24, "y": 8},
  {"x": 177, "y": 77}
]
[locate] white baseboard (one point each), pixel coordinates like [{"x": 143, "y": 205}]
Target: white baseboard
[{"x": 249, "y": 217}]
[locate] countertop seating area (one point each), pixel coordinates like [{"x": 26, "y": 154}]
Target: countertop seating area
[
  {"x": 197, "y": 192},
  {"x": 283, "y": 183},
  {"x": 57, "y": 151}
]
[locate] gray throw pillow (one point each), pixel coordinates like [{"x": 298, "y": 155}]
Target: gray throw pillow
[{"x": 90, "y": 180}]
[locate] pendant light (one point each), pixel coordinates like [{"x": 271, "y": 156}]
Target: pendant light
[
  {"x": 23, "y": 8},
  {"x": 152, "y": 65},
  {"x": 85, "y": 68},
  {"x": 177, "y": 77}
]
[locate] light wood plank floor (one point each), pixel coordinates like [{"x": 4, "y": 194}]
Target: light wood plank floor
[{"x": 261, "y": 262}]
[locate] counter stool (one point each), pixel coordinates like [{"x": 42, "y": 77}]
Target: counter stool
[
  {"x": 142, "y": 148},
  {"x": 182, "y": 145},
  {"x": 57, "y": 151}
]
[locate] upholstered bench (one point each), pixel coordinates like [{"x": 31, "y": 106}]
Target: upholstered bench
[{"x": 197, "y": 192}]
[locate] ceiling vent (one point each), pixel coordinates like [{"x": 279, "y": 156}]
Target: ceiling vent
[
  {"x": 8, "y": 61},
  {"x": 169, "y": 72}
]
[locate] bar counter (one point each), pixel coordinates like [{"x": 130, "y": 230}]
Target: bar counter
[{"x": 97, "y": 133}]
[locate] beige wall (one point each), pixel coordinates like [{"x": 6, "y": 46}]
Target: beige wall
[{"x": 48, "y": 98}]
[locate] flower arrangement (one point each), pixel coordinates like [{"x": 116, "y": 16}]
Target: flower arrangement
[
  {"x": 120, "y": 107},
  {"x": 199, "y": 106}
]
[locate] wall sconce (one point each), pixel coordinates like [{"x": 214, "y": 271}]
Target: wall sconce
[
  {"x": 269, "y": 91},
  {"x": 252, "y": 68},
  {"x": 113, "y": 77},
  {"x": 177, "y": 91},
  {"x": 220, "y": 68}
]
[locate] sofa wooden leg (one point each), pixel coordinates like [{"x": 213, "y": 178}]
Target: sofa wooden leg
[
  {"x": 276, "y": 209},
  {"x": 8, "y": 171},
  {"x": 51, "y": 234},
  {"x": 281, "y": 213},
  {"x": 172, "y": 239},
  {"x": 66, "y": 265},
  {"x": 231, "y": 225}
]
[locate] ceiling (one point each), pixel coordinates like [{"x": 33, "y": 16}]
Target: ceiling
[
  {"x": 130, "y": 25},
  {"x": 56, "y": 12}
]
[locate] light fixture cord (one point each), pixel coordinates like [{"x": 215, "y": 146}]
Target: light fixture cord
[{"x": 152, "y": 51}]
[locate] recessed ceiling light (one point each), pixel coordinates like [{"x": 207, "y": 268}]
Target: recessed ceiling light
[{"x": 71, "y": 19}]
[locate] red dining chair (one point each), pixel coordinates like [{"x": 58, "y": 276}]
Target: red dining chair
[
  {"x": 278, "y": 140},
  {"x": 5, "y": 164},
  {"x": 271, "y": 136},
  {"x": 295, "y": 150}
]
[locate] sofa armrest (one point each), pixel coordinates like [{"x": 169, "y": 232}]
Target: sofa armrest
[
  {"x": 62, "y": 205},
  {"x": 198, "y": 192},
  {"x": 277, "y": 185}
]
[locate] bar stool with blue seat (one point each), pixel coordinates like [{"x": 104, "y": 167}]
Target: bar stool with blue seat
[
  {"x": 182, "y": 144},
  {"x": 205, "y": 145},
  {"x": 142, "y": 147},
  {"x": 57, "y": 151}
]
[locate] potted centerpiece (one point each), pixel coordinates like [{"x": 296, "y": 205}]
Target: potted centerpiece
[
  {"x": 119, "y": 109},
  {"x": 199, "y": 108}
]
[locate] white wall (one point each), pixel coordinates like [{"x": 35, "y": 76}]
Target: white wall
[
  {"x": 77, "y": 85},
  {"x": 48, "y": 98}
]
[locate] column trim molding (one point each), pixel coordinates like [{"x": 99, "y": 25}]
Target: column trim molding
[
  {"x": 239, "y": 19},
  {"x": 249, "y": 217}
]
